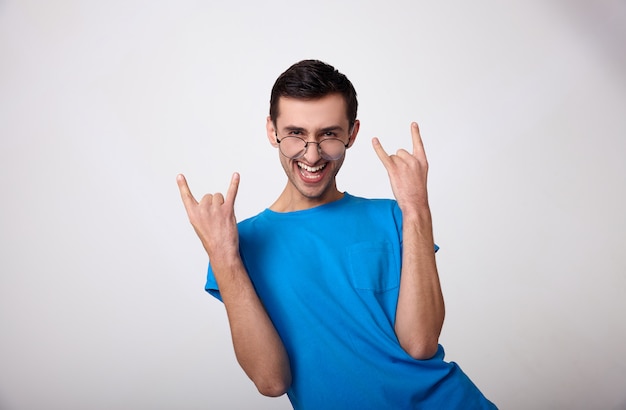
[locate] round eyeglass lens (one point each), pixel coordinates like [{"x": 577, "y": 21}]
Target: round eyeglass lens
[
  {"x": 292, "y": 147},
  {"x": 332, "y": 149}
]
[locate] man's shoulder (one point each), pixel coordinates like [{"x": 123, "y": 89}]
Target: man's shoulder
[
  {"x": 251, "y": 219},
  {"x": 361, "y": 199},
  {"x": 376, "y": 203}
]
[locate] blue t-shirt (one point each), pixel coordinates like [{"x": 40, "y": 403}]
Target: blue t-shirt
[{"x": 329, "y": 279}]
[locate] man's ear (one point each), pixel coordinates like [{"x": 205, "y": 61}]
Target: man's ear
[
  {"x": 271, "y": 131},
  {"x": 355, "y": 131}
]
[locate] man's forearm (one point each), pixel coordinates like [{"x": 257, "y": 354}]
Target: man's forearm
[
  {"x": 258, "y": 347},
  {"x": 420, "y": 311}
]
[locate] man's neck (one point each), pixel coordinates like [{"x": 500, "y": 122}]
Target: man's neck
[{"x": 290, "y": 201}]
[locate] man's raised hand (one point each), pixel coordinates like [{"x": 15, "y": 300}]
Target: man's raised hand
[
  {"x": 407, "y": 173},
  {"x": 213, "y": 219}
]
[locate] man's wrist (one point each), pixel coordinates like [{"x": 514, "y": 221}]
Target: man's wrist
[
  {"x": 416, "y": 214},
  {"x": 225, "y": 261}
]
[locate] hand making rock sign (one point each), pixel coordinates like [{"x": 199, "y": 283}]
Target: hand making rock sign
[
  {"x": 213, "y": 218},
  {"x": 407, "y": 173}
]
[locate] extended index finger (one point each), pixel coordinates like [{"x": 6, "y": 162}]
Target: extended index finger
[
  {"x": 185, "y": 193},
  {"x": 231, "y": 194},
  {"x": 418, "y": 145},
  {"x": 380, "y": 151}
]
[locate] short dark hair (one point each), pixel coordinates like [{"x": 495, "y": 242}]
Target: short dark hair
[{"x": 310, "y": 80}]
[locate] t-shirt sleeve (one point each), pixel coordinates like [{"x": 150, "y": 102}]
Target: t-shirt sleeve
[{"x": 211, "y": 284}]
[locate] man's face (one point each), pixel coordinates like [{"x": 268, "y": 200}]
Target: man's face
[{"x": 311, "y": 178}]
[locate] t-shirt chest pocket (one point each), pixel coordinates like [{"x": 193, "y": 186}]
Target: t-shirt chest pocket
[{"x": 374, "y": 266}]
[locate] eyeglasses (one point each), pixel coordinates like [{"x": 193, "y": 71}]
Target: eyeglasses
[{"x": 295, "y": 147}]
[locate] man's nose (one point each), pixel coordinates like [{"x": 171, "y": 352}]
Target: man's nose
[{"x": 312, "y": 153}]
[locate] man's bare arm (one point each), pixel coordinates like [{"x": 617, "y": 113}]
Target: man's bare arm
[
  {"x": 420, "y": 311},
  {"x": 258, "y": 347}
]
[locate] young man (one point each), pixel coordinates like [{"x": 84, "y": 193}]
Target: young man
[{"x": 332, "y": 299}]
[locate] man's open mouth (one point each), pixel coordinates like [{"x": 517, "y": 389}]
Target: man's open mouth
[{"x": 310, "y": 172}]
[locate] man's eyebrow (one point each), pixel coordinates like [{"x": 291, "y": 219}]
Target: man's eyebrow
[
  {"x": 332, "y": 128},
  {"x": 293, "y": 128}
]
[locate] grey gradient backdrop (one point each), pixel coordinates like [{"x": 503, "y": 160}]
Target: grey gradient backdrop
[{"x": 522, "y": 106}]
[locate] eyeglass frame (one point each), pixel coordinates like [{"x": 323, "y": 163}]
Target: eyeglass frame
[{"x": 319, "y": 150}]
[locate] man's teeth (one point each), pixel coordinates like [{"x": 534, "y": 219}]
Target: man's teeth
[{"x": 311, "y": 169}]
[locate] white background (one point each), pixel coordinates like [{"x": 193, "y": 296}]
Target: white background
[{"x": 522, "y": 106}]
